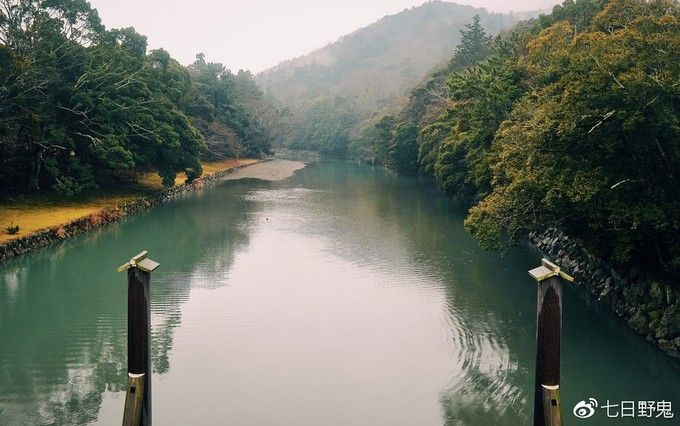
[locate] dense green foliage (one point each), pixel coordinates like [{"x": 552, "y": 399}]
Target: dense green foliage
[
  {"x": 571, "y": 121},
  {"x": 78, "y": 102},
  {"x": 329, "y": 92}
]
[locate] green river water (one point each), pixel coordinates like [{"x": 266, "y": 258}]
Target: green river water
[{"x": 344, "y": 295}]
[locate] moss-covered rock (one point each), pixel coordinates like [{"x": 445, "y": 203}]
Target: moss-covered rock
[
  {"x": 639, "y": 321},
  {"x": 656, "y": 295}
]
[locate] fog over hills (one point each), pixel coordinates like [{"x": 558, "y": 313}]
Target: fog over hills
[{"x": 370, "y": 67}]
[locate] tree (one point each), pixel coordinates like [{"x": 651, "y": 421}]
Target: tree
[
  {"x": 42, "y": 42},
  {"x": 123, "y": 114},
  {"x": 594, "y": 149},
  {"x": 427, "y": 109},
  {"x": 78, "y": 103},
  {"x": 403, "y": 153},
  {"x": 474, "y": 46},
  {"x": 234, "y": 102},
  {"x": 481, "y": 96},
  {"x": 374, "y": 138}
]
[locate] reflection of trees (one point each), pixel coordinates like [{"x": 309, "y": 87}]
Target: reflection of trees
[
  {"x": 161, "y": 340},
  {"x": 382, "y": 220},
  {"x": 63, "y": 329},
  {"x": 56, "y": 360},
  {"x": 491, "y": 300}
]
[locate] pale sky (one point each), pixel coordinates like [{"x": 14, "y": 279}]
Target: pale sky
[{"x": 258, "y": 34}]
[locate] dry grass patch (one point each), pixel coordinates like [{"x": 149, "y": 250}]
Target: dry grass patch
[{"x": 34, "y": 212}]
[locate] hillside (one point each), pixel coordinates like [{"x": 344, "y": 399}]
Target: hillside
[
  {"x": 330, "y": 90},
  {"x": 560, "y": 124}
]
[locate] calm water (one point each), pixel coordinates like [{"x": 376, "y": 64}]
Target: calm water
[{"x": 345, "y": 295}]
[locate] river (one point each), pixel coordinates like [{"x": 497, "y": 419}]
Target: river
[{"x": 344, "y": 295}]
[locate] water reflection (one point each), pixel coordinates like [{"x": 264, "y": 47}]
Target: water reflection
[
  {"x": 56, "y": 361},
  {"x": 377, "y": 225},
  {"x": 62, "y": 310},
  {"x": 490, "y": 302},
  {"x": 345, "y": 295}
]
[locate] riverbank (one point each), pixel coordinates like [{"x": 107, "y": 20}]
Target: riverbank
[
  {"x": 33, "y": 213},
  {"x": 44, "y": 221},
  {"x": 648, "y": 306},
  {"x": 274, "y": 170}
]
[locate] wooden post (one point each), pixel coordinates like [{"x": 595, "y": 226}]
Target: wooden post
[
  {"x": 552, "y": 410},
  {"x": 548, "y": 336},
  {"x": 134, "y": 400},
  {"x": 138, "y": 399},
  {"x": 139, "y": 334},
  {"x": 547, "y": 402}
]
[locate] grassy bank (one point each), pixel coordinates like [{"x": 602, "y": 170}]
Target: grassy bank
[{"x": 34, "y": 212}]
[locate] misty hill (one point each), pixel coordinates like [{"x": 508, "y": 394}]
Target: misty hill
[{"x": 330, "y": 90}]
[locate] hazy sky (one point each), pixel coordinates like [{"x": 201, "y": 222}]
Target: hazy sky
[{"x": 257, "y": 34}]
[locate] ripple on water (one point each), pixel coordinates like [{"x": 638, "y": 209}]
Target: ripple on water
[
  {"x": 482, "y": 383},
  {"x": 357, "y": 299}
]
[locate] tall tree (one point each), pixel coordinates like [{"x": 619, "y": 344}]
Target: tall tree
[
  {"x": 42, "y": 42},
  {"x": 474, "y": 46}
]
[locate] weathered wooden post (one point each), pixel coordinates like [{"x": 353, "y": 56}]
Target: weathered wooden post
[
  {"x": 138, "y": 398},
  {"x": 547, "y": 403}
]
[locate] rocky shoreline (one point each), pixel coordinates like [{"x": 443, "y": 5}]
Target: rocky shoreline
[
  {"x": 650, "y": 307},
  {"x": 46, "y": 237}
]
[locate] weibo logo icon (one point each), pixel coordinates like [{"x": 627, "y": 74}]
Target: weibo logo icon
[{"x": 584, "y": 410}]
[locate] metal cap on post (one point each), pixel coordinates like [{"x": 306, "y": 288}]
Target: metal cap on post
[
  {"x": 547, "y": 402},
  {"x": 137, "y": 409},
  {"x": 547, "y": 270},
  {"x": 140, "y": 261}
]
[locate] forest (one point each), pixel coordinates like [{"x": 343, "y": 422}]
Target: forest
[
  {"x": 567, "y": 121},
  {"x": 330, "y": 91},
  {"x": 80, "y": 104},
  {"x": 570, "y": 121},
  {"x": 383, "y": 267}
]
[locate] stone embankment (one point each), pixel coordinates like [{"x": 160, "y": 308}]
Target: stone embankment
[
  {"x": 650, "y": 307},
  {"x": 57, "y": 233}
]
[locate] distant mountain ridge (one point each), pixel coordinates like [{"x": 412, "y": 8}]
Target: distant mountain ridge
[
  {"x": 372, "y": 66},
  {"x": 432, "y": 27}
]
